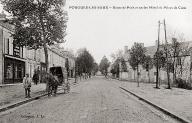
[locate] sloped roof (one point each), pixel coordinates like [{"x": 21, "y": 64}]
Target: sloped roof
[
  {"x": 60, "y": 51},
  {"x": 150, "y": 50}
]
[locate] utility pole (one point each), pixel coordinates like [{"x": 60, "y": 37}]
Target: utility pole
[
  {"x": 166, "y": 53},
  {"x": 157, "y": 52}
]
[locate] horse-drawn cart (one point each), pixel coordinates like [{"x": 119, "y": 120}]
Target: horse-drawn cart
[{"x": 60, "y": 74}]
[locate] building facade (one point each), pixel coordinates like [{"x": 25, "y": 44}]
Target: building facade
[
  {"x": 16, "y": 61},
  {"x": 183, "y": 65},
  {"x": 12, "y": 61},
  {"x": 35, "y": 60}
]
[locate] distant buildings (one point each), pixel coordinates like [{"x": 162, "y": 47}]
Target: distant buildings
[
  {"x": 183, "y": 63},
  {"x": 16, "y": 61}
]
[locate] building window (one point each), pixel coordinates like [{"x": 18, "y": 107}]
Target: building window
[
  {"x": 16, "y": 51},
  {"x": 21, "y": 52},
  {"x": 9, "y": 71},
  {"x": 6, "y": 45},
  {"x": 179, "y": 61},
  {"x": 14, "y": 70},
  {"x": 19, "y": 71}
]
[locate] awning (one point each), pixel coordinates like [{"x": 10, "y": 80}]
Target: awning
[{"x": 12, "y": 57}]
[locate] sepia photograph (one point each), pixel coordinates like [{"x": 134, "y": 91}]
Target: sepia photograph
[{"x": 102, "y": 61}]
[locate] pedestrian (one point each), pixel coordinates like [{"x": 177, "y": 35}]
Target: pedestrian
[
  {"x": 27, "y": 85},
  {"x": 35, "y": 78}
]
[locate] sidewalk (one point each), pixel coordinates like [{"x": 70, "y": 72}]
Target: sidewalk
[
  {"x": 15, "y": 93},
  {"x": 175, "y": 100}
]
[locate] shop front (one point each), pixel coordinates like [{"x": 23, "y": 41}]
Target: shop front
[{"x": 14, "y": 70}]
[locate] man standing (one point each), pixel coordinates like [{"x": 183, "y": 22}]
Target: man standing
[
  {"x": 27, "y": 85},
  {"x": 35, "y": 78}
]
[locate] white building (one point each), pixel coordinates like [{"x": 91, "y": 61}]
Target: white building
[
  {"x": 16, "y": 61},
  {"x": 12, "y": 58},
  {"x": 183, "y": 60}
]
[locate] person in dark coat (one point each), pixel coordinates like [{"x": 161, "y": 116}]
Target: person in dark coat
[{"x": 35, "y": 78}]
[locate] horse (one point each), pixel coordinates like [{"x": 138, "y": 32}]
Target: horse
[{"x": 52, "y": 83}]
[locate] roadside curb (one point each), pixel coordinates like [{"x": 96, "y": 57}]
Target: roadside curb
[
  {"x": 173, "y": 115},
  {"x": 7, "y": 107},
  {"x": 16, "y": 104},
  {"x": 8, "y": 85}
]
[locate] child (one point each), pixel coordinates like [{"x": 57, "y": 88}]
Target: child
[{"x": 27, "y": 85}]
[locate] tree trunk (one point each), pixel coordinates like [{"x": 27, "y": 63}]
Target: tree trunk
[
  {"x": 181, "y": 68},
  {"x": 174, "y": 70},
  {"x": 137, "y": 76},
  {"x": 157, "y": 74},
  {"x": 43, "y": 37},
  {"x": 168, "y": 79},
  {"x": 149, "y": 76},
  {"x": 127, "y": 75},
  {"x": 134, "y": 75},
  {"x": 46, "y": 56},
  {"x": 159, "y": 78}
]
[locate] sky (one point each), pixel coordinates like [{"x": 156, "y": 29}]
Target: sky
[{"x": 103, "y": 32}]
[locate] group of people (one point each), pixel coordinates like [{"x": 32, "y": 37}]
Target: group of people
[{"x": 51, "y": 80}]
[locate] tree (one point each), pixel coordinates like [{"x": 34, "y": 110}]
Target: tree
[
  {"x": 123, "y": 65},
  {"x": 175, "y": 47},
  {"x": 118, "y": 66},
  {"x": 160, "y": 56},
  {"x": 67, "y": 66},
  {"x": 115, "y": 68},
  {"x": 95, "y": 68},
  {"x": 175, "y": 51},
  {"x": 38, "y": 23},
  {"x": 185, "y": 49},
  {"x": 85, "y": 62},
  {"x": 133, "y": 66},
  {"x": 119, "y": 63},
  {"x": 117, "y": 55},
  {"x": 137, "y": 56},
  {"x": 148, "y": 65},
  {"x": 159, "y": 62},
  {"x": 104, "y": 65}
]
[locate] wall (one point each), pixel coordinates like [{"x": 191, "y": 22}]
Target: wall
[
  {"x": 162, "y": 73},
  {"x": 1, "y": 55}
]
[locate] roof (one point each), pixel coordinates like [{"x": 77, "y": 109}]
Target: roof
[
  {"x": 150, "y": 50},
  {"x": 60, "y": 51}
]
